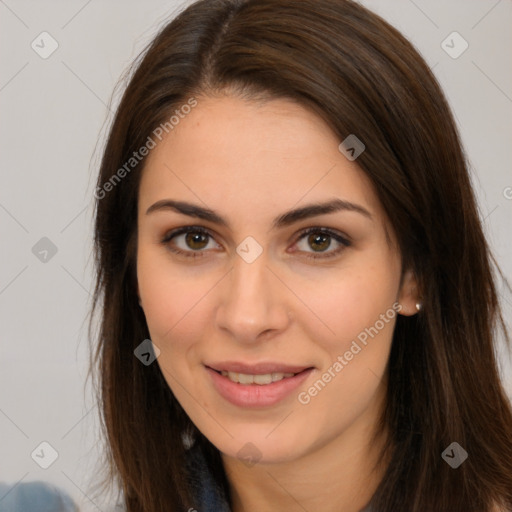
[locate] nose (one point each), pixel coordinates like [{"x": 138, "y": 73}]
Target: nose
[{"x": 253, "y": 302}]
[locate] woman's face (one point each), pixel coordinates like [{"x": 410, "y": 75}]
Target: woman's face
[{"x": 249, "y": 274}]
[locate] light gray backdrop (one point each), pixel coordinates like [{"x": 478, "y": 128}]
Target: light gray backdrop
[{"x": 53, "y": 107}]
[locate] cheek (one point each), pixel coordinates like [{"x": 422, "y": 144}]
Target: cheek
[
  {"x": 176, "y": 311},
  {"x": 358, "y": 311},
  {"x": 175, "y": 302},
  {"x": 349, "y": 303},
  {"x": 359, "y": 308}
]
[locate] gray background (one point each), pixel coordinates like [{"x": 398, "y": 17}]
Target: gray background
[{"x": 53, "y": 117}]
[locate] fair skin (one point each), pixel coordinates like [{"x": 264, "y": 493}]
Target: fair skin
[{"x": 250, "y": 163}]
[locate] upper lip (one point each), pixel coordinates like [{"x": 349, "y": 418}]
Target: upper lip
[{"x": 257, "y": 368}]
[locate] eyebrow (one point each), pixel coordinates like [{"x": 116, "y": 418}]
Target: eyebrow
[{"x": 286, "y": 219}]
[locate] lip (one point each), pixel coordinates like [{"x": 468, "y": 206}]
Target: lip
[{"x": 256, "y": 395}]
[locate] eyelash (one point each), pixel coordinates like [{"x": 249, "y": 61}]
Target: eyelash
[{"x": 199, "y": 253}]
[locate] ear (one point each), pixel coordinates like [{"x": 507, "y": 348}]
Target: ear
[{"x": 408, "y": 295}]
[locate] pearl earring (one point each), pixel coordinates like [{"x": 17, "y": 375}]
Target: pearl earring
[{"x": 419, "y": 305}]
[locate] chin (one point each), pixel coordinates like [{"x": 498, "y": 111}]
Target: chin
[{"x": 255, "y": 445}]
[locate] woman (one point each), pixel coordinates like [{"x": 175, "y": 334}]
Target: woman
[{"x": 298, "y": 307}]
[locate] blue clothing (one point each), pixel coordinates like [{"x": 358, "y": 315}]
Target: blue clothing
[
  {"x": 209, "y": 497},
  {"x": 34, "y": 497}
]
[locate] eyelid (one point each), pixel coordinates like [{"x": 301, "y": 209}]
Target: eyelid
[
  {"x": 337, "y": 235},
  {"x": 185, "y": 229}
]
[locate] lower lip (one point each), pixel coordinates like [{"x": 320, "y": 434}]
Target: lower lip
[{"x": 255, "y": 395}]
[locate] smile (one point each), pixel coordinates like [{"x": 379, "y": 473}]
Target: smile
[{"x": 258, "y": 388}]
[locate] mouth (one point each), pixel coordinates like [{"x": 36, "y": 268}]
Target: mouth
[{"x": 257, "y": 385}]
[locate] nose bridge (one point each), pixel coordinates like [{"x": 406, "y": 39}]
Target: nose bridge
[
  {"x": 250, "y": 281},
  {"x": 251, "y": 301}
]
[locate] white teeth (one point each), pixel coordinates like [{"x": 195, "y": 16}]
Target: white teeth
[
  {"x": 268, "y": 378},
  {"x": 245, "y": 379},
  {"x": 263, "y": 379}
]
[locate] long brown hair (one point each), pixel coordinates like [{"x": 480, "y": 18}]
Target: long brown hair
[{"x": 361, "y": 76}]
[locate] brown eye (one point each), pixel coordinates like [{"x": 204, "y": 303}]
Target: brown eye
[
  {"x": 316, "y": 242},
  {"x": 319, "y": 242},
  {"x": 190, "y": 241},
  {"x": 196, "y": 240}
]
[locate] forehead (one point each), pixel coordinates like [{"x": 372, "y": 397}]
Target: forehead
[{"x": 239, "y": 156}]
